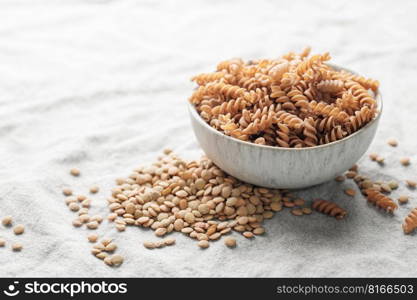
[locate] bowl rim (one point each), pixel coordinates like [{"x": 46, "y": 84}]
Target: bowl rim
[{"x": 378, "y": 99}]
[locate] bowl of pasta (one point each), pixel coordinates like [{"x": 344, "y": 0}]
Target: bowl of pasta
[{"x": 291, "y": 122}]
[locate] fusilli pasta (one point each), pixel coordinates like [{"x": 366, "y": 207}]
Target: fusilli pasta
[
  {"x": 410, "y": 222},
  {"x": 329, "y": 208},
  {"x": 380, "y": 200},
  {"x": 296, "y": 100}
]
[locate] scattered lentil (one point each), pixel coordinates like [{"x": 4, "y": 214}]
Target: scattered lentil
[
  {"x": 297, "y": 212},
  {"x": 77, "y": 222},
  {"x": 411, "y": 183},
  {"x": 106, "y": 241},
  {"x": 83, "y": 211},
  {"x": 108, "y": 261},
  {"x": 100, "y": 247},
  {"x": 149, "y": 245},
  {"x": 230, "y": 242},
  {"x": 102, "y": 255},
  {"x": 248, "y": 234},
  {"x": 276, "y": 206},
  {"x": 350, "y": 174},
  {"x": 95, "y": 251},
  {"x": 299, "y": 202},
  {"x": 380, "y": 160},
  {"x": 405, "y": 161},
  {"x": 75, "y": 172},
  {"x": 169, "y": 241},
  {"x": 86, "y": 203},
  {"x": 386, "y": 188},
  {"x": 159, "y": 244},
  {"x": 92, "y": 225},
  {"x": 392, "y": 142},
  {"x": 189, "y": 218},
  {"x": 121, "y": 227},
  {"x": 92, "y": 238},
  {"x": 81, "y": 198},
  {"x": 17, "y": 246},
  {"x": 403, "y": 199},
  {"x": 160, "y": 231},
  {"x": 306, "y": 210},
  {"x": 19, "y": 229},
  {"x": 84, "y": 218},
  {"x": 340, "y": 178},
  {"x": 111, "y": 217},
  {"x": 167, "y": 151},
  {"x": 259, "y": 231},
  {"x": 203, "y": 244},
  {"x": 74, "y": 206},
  {"x": 94, "y": 189},
  {"x": 97, "y": 218},
  {"x": 289, "y": 204},
  {"x": 354, "y": 168},
  {"x": 111, "y": 247},
  {"x": 350, "y": 192},
  {"x": 7, "y": 221},
  {"x": 70, "y": 200},
  {"x": 67, "y": 191}
]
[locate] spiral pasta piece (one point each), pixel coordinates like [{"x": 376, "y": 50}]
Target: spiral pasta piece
[
  {"x": 283, "y": 138},
  {"x": 278, "y": 94},
  {"x": 335, "y": 134},
  {"x": 289, "y": 80},
  {"x": 330, "y": 86},
  {"x": 227, "y": 90},
  {"x": 367, "y": 83},
  {"x": 289, "y": 106},
  {"x": 410, "y": 222},
  {"x": 296, "y": 142},
  {"x": 309, "y": 63},
  {"x": 306, "y": 52},
  {"x": 327, "y": 110},
  {"x": 248, "y": 83},
  {"x": 348, "y": 103},
  {"x": 329, "y": 208},
  {"x": 312, "y": 93},
  {"x": 380, "y": 200},
  {"x": 208, "y": 77},
  {"x": 232, "y": 66},
  {"x": 310, "y": 132},
  {"x": 232, "y": 106},
  {"x": 260, "y": 123},
  {"x": 325, "y": 124},
  {"x": 359, "y": 119},
  {"x": 361, "y": 93},
  {"x": 325, "y": 73},
  {"x": 289, "y": 119},
  {"x": 299, "y": 98},
  {"x": 278, "y": 71}
]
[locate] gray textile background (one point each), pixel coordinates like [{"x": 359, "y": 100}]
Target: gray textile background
[{"x": 102, "y": 85}]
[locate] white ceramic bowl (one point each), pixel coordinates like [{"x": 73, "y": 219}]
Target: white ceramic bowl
[{"x": 276, "y": 167}]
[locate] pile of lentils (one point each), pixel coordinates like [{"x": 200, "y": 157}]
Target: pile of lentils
[{"x": 195, "y": 198}]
